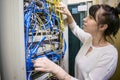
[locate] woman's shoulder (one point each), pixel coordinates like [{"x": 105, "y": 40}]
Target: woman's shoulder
[{"x": 110, "y": 50}]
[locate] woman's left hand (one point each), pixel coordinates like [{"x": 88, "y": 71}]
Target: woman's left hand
[{"x": 45, "y": 65}]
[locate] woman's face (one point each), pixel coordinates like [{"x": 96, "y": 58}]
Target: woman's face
[{"x": 90, "y": 25}]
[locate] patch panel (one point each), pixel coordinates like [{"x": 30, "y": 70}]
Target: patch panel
[{"x": 43, "y": 33}]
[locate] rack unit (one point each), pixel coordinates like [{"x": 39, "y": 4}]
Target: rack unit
[{"x": 43, "y": 32}]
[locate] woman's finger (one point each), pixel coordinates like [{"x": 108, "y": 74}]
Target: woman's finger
[
  {"x": 61, "y": 11},
  {"x": 42, "y": 69},
  {"x": 39, "y": 63}
]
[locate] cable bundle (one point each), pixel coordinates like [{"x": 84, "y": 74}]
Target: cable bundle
[{"x": 43, "y": 32}]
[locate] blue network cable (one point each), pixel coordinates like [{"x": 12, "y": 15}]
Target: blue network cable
[{"x": 30, "y": 23}]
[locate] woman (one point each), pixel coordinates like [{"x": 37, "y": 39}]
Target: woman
[{"x": 97, "y": 58}]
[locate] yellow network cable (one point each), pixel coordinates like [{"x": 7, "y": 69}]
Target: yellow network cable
[
  {"x": 61, "y": 23},
  {"x": 56, "y": 3},
  {"x": 61, "y": 19},
  {"x": 40, "y": 21},
  {"x": 51, "y": 2},
  {"x": 60, "y": 15}
]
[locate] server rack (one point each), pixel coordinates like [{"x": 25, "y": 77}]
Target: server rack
[{"x": 13, "y": 59}]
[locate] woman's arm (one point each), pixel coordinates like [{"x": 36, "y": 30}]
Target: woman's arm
[
  {"x": 77, "y": 31},
  {"x": 46, "y": 65}
]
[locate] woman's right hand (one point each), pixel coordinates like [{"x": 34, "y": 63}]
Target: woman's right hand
[{"x": 62, "y": 8}]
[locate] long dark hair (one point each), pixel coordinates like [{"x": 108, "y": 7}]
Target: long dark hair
[{"x": 110, "y": 16}]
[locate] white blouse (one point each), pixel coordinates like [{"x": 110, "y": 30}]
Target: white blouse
[{"x": 98, "y": 64}]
